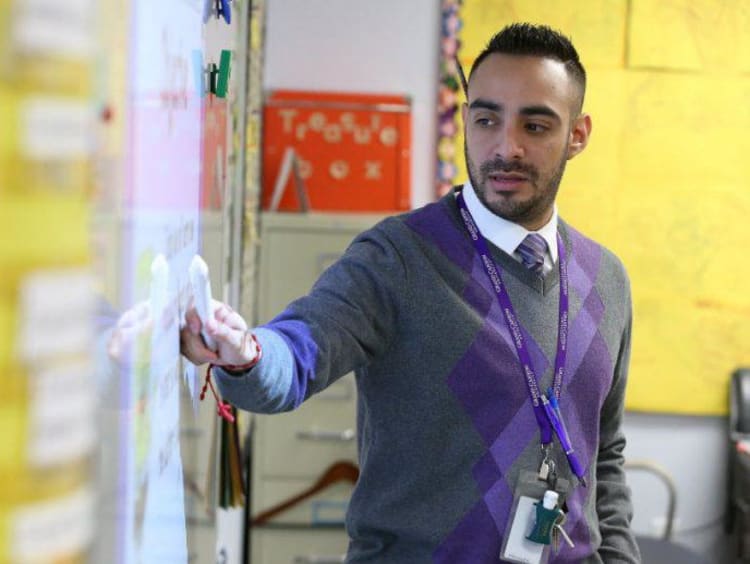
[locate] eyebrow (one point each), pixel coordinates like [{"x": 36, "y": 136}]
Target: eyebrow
[
  {"x": 484, "y": 104},
  {"x": 540, "y": 111},
  {"x": 536, "y": 110}
]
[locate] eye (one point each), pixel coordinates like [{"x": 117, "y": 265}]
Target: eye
[
  {"x": 536, "y": 127},
  {"x": 484, "y": 122}
]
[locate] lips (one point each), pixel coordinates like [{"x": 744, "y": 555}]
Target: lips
[{"x": 507, "y": 180}]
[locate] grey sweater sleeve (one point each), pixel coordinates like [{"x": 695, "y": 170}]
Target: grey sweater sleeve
[
  {"x": 613, "y": 504},
  {"x": 347, "y": 319},
  {"x": 262, "y": 389}
]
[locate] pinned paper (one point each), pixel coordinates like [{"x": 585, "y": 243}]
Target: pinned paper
[
  {"x": 56, "y": 314},
  {"x": 51, "y": 530},
  {"x": 54, "y": 28},
  {"x": 56, "y": 128},
  {"x": 62, "y": 414}
]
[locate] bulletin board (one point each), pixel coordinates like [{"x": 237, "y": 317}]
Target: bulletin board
[
  {"x": 663, "y": 182},
  {"x": 47, "y": 409}
]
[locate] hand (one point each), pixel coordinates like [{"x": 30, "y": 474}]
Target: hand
[
  {"x": 229, "y": 331},
  {"x": 133, "y": 323}
]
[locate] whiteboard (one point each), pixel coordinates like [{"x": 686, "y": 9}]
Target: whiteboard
[{"x": 165, "y": 172}]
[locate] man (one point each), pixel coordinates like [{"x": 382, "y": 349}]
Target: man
[{"x": 473, "y": 345}]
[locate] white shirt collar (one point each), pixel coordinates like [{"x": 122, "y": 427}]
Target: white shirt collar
[{"x": 505, "y": 234}]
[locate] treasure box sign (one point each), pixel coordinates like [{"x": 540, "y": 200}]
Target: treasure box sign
[{"x": 350, "y": 152}]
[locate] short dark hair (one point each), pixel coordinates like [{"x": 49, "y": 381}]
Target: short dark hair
[{"x": 537, "y": 41}]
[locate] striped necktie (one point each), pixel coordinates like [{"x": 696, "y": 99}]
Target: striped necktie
[{"x": 532, "y": 250}]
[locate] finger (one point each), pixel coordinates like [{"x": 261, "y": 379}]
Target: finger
[
  {"x": 219, "y": 305},
  {"x": 130, "y": 333},
  {"x": 127, "y": 319},
  {"x": 114, "y": 347},
  {"x": 228, "y": 316},
  {"x": 221, "y": 311},
  {"x": 231, "y": 336}
]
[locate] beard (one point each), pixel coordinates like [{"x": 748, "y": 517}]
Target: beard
[{"x": 530, "y": 210}]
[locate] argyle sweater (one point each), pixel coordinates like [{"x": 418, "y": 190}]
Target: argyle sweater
[{"x": 445, "y": 423}]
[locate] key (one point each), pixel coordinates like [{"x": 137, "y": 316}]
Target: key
[
  {"x": 544, "y": 470},
  {"x": 552, "y": 474},
  {"x": 555, "y": 540},
  {"x": 557, "y": 527}
]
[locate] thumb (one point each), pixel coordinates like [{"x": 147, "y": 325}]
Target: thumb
[{"x": 193, "y": 322}]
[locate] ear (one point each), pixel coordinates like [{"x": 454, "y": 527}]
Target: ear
[{"x": 579, "y": 135}]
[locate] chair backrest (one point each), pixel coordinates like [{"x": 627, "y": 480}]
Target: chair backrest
[
  {"x": 662, "y": 550},
  {"x": 738, "y": 483},
  {"x": 739, "y": 404},
  {"x": 655, "y": 470}
]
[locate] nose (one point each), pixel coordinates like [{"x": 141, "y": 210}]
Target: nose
[{"x": 508, "y": 144}]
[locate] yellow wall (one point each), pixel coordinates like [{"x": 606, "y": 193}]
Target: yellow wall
[{"x": 664, "y": 181}]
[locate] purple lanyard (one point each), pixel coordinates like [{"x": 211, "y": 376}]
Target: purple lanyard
[{"x": 494, "y": 272}]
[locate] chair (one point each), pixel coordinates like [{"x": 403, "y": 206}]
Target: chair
[
  {"x": 662, "y": 550},
  {"x": 738, "y": 499}
]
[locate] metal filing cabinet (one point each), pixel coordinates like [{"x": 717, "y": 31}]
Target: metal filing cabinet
[{"x": 291, "y": 451}]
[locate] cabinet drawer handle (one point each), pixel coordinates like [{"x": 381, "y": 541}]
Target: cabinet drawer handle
[
  {"x": 319, "y": 559},
  {"x": 344, "y": 436}
]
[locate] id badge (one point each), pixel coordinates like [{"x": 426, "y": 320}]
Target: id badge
[{"x": 524, "y": 523}]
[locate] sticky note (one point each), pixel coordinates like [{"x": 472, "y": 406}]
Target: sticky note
[
  {"x": 597, "y": 28},
  {"x": 695, "y": 35}
]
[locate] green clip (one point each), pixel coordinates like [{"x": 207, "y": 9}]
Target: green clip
[{"x": 222, "y": 84}]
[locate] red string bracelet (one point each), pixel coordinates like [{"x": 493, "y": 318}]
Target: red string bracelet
[
  {"x": 224, "y": 409},
  {"x": 237, "y": 368}
]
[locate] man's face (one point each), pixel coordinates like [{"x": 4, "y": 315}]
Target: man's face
[{"x": 521, "y": 126}]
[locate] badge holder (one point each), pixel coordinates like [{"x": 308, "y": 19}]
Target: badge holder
[{"x": 536, "y": 520}]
